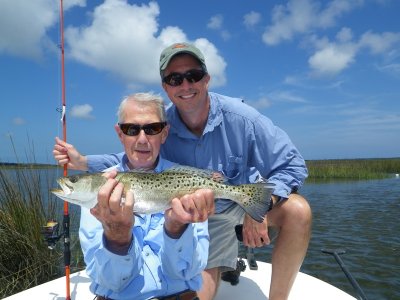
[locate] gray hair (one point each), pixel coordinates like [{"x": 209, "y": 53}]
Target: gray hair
[{"x": 148, "y": 98}]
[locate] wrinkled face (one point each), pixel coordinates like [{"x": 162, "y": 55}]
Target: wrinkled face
[
  {"x": 189, "y": 97},
  {"x": 142, "y": 150}
]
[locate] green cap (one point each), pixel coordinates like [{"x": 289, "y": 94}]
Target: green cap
[{"x": 169, "y": 52}]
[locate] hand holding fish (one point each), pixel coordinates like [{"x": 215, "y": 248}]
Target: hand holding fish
[
  {"x": 116, "y": 217},
  {"x": 65, "y": 153},
  {"x": 255, "y": 234},
  {"x": 190, "y": 208}
]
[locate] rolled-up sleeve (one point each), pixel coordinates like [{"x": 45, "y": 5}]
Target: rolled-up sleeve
[
  {"x": 105, "y": 268},
  {"x": 276, "y": 157},
  {"x": 98, "y": 163}
]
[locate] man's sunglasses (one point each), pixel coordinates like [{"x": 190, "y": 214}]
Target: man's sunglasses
[
  {"x": 149, "y": 129},
  {"x": 176, "y": 79}
]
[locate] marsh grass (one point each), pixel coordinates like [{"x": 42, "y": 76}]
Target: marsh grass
[
  {"x": 25, "y": 206},
  {"x": 353, "y": 168}
]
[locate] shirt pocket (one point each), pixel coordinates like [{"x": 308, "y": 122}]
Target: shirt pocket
[{"x": 232, "y": 169}]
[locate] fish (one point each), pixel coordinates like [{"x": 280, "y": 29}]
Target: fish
[{"x": 153, "y": 192}]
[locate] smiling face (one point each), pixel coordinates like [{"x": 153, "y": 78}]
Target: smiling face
[
  {"x": 142, "y": 150},
  {"x": 189, "y": 97}
]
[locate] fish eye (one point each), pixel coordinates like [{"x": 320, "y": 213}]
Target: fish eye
[{"x": 73, "y": 179}]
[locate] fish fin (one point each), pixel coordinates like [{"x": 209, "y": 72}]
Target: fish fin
[
  {"x": 209, "y": 174},
  {"x": 259, "y": 200}
]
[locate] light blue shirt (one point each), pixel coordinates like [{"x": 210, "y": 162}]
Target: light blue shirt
[
  {"x": 238, "y": 141},
  {"x": 156, "y": 265}
]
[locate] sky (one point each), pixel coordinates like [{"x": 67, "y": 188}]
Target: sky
[{"x": 326, "y": 72}]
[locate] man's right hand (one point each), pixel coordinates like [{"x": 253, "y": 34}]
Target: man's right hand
[
  {"x": 65, "y": 153},
  {"x": 115, "y": 214}
]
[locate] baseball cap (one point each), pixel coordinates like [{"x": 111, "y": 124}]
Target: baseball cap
[{"x": 169, "y": 52}]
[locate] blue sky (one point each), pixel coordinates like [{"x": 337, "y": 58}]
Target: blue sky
[{"x": 327, "y": 72}]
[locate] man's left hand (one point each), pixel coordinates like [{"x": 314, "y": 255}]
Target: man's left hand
[
  {"x": 191, "y": 208},
  {"x": 255, "y": 234}
]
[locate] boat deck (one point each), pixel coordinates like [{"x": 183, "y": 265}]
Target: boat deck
[{"x": 253, "y": 284}]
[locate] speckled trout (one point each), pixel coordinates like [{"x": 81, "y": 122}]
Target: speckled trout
[{"x": 153, "y": 192}]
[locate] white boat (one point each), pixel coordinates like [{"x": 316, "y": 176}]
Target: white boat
[{"x": 253, "y": 284}]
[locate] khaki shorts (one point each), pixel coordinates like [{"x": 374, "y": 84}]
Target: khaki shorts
[{"x": 224, "y": 246}]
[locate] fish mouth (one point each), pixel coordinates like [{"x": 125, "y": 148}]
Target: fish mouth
[
  {"x": 57, "y": 191},
  {"x": 65, "y": 187}
]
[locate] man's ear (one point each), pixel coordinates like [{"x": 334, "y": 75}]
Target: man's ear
[
  {"x": 164, "y": 134},
  {"x": 119, "y": 132}
]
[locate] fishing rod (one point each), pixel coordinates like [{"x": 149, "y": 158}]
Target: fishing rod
[
  {"x": 66, "y": 220},
  {"x": 354, "y": 283}
]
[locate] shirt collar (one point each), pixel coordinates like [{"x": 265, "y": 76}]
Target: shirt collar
[{"x": 214, "y": 119}]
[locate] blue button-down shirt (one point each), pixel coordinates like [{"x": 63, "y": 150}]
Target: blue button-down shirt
[
  {"x": 156, "y": 265},
  {"x": 238, "y": 141}
]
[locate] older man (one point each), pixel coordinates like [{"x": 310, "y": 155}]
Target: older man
[{"x": 146, "y": 256}]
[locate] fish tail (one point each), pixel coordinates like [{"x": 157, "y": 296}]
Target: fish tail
[{"x": 256, "y": 199}]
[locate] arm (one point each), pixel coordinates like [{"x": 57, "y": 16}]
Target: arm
[
  {"x": 112, "y": 257},
  {"x": 65, "y": 153},
  {"x": 184, "y": 253},
  {"x": 277, "y": 159},
  {"x": 99, "y": 162}
]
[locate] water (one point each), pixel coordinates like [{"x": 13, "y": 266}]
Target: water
[{"x": 362, "y": 218}]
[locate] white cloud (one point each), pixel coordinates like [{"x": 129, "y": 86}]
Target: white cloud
[
  {"x": 287, "y": 96},
  {"x": 260, "y": 104},
  {"x": 215, "y": 22},
  {"x": 304, "y": 16},
  {"x": 379, "y": 43},
  {"x": 82, "y": 111},
  {"x": 18, "y": 121},
  {"x": 332, "y": 59},
  {"x": 24, "y": 24},
  {"x": 344, "y": 35},
  {"x": 251, "y": 19},
  {"x": 122, "y": 39}
]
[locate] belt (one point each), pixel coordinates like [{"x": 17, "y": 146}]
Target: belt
[{"x": 185, "y": 295}]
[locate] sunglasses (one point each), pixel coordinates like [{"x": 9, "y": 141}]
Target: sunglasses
[
  {"x": 176, "y": 79},
  {"x": 149, "y": 129}
]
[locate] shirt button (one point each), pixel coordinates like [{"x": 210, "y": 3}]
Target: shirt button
[{"x": 147, "y": 254}]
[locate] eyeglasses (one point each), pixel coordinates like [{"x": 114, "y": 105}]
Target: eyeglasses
[
  {"x": 176, "y": 79},
  {"x": 149, "y": 129}
]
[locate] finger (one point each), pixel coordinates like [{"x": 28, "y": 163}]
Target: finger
[
  {"x": 127, "y": 209},
  {"x": 210, "y": 201},
  {"x": 104, "y": 194},
  {"x": 197, "y": 202},
  {"x": 178, "y": 212},
  {"x": 189, "y": 205},
  {"x": 248, "y": 239},
  {"x": 115, "y": 198},
  {"x": 110, "y": 174}
]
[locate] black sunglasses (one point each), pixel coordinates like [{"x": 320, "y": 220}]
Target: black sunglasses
[
  {"x": 176, "y": 79},
  {"x": 149, "y": 129}
]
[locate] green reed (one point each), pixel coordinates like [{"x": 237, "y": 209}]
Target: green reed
[
  {"x": 25, "y": 207},
  {"x": 353, "y": 168}
]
